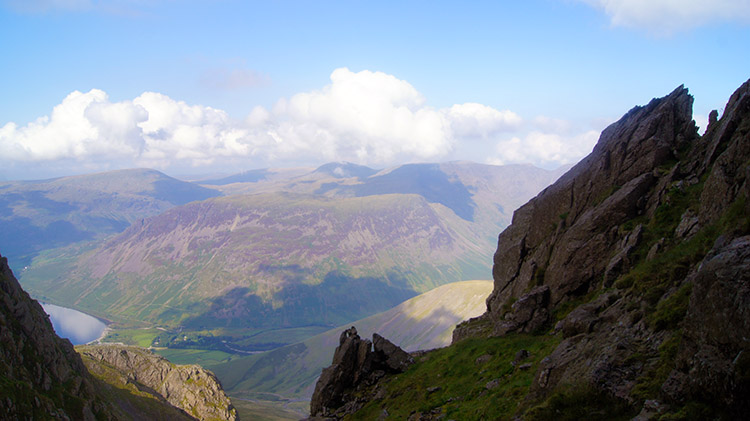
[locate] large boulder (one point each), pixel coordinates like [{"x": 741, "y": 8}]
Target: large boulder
[{"x": 355, "y": 364}]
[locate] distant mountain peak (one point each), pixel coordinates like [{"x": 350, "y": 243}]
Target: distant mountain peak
[{"x": 345, "y": 169}]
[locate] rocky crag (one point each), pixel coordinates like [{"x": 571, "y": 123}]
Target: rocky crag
[
  {"x": 357, "y": 364},
  {"x": 633, "y": 269},
  {"x": 42, "y": 377},
  {"x": 190, "y": 388}
]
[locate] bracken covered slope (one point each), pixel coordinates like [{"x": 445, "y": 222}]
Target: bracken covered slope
[{"x": 621, "y": 290}]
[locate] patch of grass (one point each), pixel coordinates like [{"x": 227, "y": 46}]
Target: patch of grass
[
  {"x": 205, "y": 358},
  {"x": 692, "y": 411},
  {"x": 140, "y": 337},
  {"x": 580, "y": 403},
  {"x": 670, "y": 312},
  {"x": 463, "y": 391},
  {"x": 649, "y": 384}
]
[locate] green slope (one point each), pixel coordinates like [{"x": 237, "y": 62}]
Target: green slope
[
  {"x": 423, "y": 322},
  {"x": 271, "y": 260}
]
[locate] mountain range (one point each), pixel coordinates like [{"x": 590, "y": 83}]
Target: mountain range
[
  {"x": 285, "y": 251},
  {"x": 41, "y": 215}
]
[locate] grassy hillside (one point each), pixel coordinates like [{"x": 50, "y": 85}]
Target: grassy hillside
[{"x": 271, "y": 260}]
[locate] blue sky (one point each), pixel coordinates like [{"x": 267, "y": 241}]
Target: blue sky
[{"x": 203, "y": 86}]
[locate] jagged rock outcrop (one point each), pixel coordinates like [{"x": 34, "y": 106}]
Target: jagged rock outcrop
[
  {"x": 568, "y": 235},
  {"x": 656, "y": 197},
  {"x": 190, "y": 388},
  {"x": 355, "y": 364},
  {"x": 41, "y": 375}
]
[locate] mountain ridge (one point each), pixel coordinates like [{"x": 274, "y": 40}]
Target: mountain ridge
[{"x": 621, "y": 289}]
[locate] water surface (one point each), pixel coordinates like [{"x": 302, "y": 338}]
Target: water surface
[{"x": 80, "y": 328}]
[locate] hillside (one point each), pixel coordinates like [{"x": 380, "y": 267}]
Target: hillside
[
  {"x": 619, "y": 291},
  {"x": 270, "y": 260},
  {"x": 423, "y": 322},
  {"x": 486, "y": 195},
  {"x": 41, "y": 215}
]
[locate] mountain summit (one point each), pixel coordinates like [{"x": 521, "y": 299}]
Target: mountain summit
[{"x": 621, "y": 290}]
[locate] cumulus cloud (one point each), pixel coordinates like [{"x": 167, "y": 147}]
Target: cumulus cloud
[
  {"x": 477, "y": 120},
  {"x": 668, "y": 16},
  {"x": 544, "y": 149},
  {"x": 371, "y": 118},
  {"x": 151, "y": 129}
]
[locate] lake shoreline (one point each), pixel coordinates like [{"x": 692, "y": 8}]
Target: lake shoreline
[{"x": 78, "y": 327}]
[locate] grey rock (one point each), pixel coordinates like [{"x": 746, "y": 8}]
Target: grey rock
[
  {"x": 355, "y": 364},
  {"x": 492, "y": 384},
  {"x": 191, "y": 388},
  {"x": 482, "y": 359}
]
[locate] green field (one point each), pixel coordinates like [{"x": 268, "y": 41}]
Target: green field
[
  {"x": 204, "y": 358},
  {"x": 140, "y": 337}
]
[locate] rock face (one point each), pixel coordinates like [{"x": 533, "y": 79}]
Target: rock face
[
  {"x": 41, "y": 375},
  {"x": 714, "y": 363},
  {"x": 190, "y": 388},
  {"x": 563, "y": 238},
  {"x": 355, "y": 364},
  {"x": 646, "y": 241}
]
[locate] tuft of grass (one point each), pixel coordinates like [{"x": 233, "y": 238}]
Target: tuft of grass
[
  {"x": 648, "y": 386},
  {"x": 670, "y": 311}
]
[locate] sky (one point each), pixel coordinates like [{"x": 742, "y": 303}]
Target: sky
[{"x": 220, "y": 86}]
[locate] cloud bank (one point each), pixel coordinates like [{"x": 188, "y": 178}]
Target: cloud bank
[
  {"x": 668, "y": 16},
  {"x": 371, "y": 118}
]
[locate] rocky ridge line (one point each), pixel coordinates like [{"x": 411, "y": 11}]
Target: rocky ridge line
[{"x": 191, "y": 388}]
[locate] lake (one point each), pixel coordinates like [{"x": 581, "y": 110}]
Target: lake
[{"x": 80, "y": 328}]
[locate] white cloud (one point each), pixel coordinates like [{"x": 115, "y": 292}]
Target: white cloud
[
  {"x": 366, "y": 117},
  {"x": 544, "y": 149},
  {"x": 477, "y": 120},
  {"x": 669, "y": 16}
]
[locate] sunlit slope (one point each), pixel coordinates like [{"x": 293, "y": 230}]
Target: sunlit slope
[
  {"x": 423, "y": 322},
  {"x": 40, "y": 215},
  {"x": 270, "y": 260}
]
